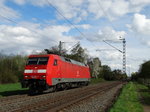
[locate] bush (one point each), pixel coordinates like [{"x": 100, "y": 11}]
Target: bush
[{"x": 11, "y": 68}]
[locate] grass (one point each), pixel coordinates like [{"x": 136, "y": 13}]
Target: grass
[
  {"x": 128, "y": 101},
  {"x": 14, "y": 89},
  {"x": 95, "y": 81},
  {"x": 11, "y": 89},
  {"x": 144, "y": 93}
]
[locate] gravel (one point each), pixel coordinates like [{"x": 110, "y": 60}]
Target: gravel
[
  {"x": 93, "y": 104},
  {"x": 98, "y": 103}
]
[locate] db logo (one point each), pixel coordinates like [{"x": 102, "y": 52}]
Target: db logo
[
  {"x": 34, "y": 71},
  {"x": 34, "y": 77}
]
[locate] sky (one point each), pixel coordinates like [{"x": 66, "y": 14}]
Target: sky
[{"x": 28, "y": 26}]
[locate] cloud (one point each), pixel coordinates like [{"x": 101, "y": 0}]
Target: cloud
[
  {"x": 140, "y": 26},
  {"x": 7, "y": 12},
  {"x": 109, "y": 9},
  {"x": 107, "y": 33},
  {"x": 17, "y": 39},
  {"x": 28, "y": 36},
  {"x": 20, "y": 2},
  {"x": 79, "y": 10},
  {"x": 113, "y": 9},
  {"x": 83, "y": 26},
  {"x": 107, "y": 57},
  {"x": 139, "y": 2},
  {"x": 71, "y": 9}
]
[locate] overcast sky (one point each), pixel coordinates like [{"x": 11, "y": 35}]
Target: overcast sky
[{"x": 32, "y": 25}]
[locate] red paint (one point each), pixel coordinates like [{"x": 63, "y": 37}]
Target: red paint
[{"x": 62, "y": 70}]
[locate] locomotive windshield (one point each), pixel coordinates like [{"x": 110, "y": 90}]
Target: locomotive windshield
[{"x": 37, "y": 61}]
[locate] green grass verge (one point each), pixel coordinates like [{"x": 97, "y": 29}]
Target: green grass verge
[
  {"x": 144, "y": 93},
  {"x": 128, "y": 100},
  {"x": 11, "y": 89},
  {"x": 95, "y": 81},
  {"x": 14, "y": 89}
]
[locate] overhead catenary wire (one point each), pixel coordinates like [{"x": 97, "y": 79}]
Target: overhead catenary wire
[
  {"x": 73, "y": 46},
  {"x": 113, "y": 46},
  {"x": 124, "y": 42},
  {"x": 62, "y": 43},
  {"x": 105, "y": 49},
  {"x": 8, "y": 19},
  {"x": 104, "y": 12},
  {"x": 50, "y": 4},
  {"x": 67, "y": 21},
  {"x": 83, "y": 35},
  {"x": 57, "y": 11},
  {"x": 73, "y": 24}
]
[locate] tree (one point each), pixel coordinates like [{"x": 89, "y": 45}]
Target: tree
[
  {"x": 106, "y": 71},
  {"x": 118, "y": 75},
  {"x": 78, "y": 54},
  {"x": 95, "y": 67},
  {"x": 134, "y": 76},
  {"x": 144, "y": 71},
  {"x": 11, "y": 68},
  {"x": 54, "y": 50}
]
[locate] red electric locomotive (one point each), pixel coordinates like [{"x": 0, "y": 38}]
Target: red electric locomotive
[{"x": 51, "y": 72}]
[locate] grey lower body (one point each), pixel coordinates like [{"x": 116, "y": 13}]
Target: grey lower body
[{"x": 38, "y": 85}]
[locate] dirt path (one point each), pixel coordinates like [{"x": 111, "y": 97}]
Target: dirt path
[
  {"x": 146, "y": 108},
  {"x": 144, "y": 97}
]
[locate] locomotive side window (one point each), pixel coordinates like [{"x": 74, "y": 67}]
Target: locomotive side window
[
  {"x": 37, "y": 61},
  {"x": 63, "y": 59},
  {"x": 72, "y": 61},
  {"x": 55, "y": 62},
  {"x": 68, "y": 60}
]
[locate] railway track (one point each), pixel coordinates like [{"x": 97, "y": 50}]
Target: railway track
[
  {"x": 9, "y": 98},
  {"x": 97, "y": 91},
  {"x": 53, "y": 102}
]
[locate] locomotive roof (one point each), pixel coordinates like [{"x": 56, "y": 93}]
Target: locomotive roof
[
  {"x": 72, "y": 61},
  {"x": 42, "y": 55},
  {"x": 62, "y": 58}
]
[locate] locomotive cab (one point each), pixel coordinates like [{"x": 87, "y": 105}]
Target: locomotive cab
[
  {"x": 35, "y": 73},
  {"x": 36, "y": 68}
]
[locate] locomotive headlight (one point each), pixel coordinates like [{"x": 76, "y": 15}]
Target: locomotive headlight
[
  {"x": 41, "y": 71},
  {"x": 28, "y": 71},
  {"x": 26, "y": 76},
  {"x": 43, "y": 76}
]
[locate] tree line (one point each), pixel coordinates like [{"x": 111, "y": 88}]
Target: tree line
[
  {"x": 143, "y": 74},
  {"x": 12, "y": 67}
]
